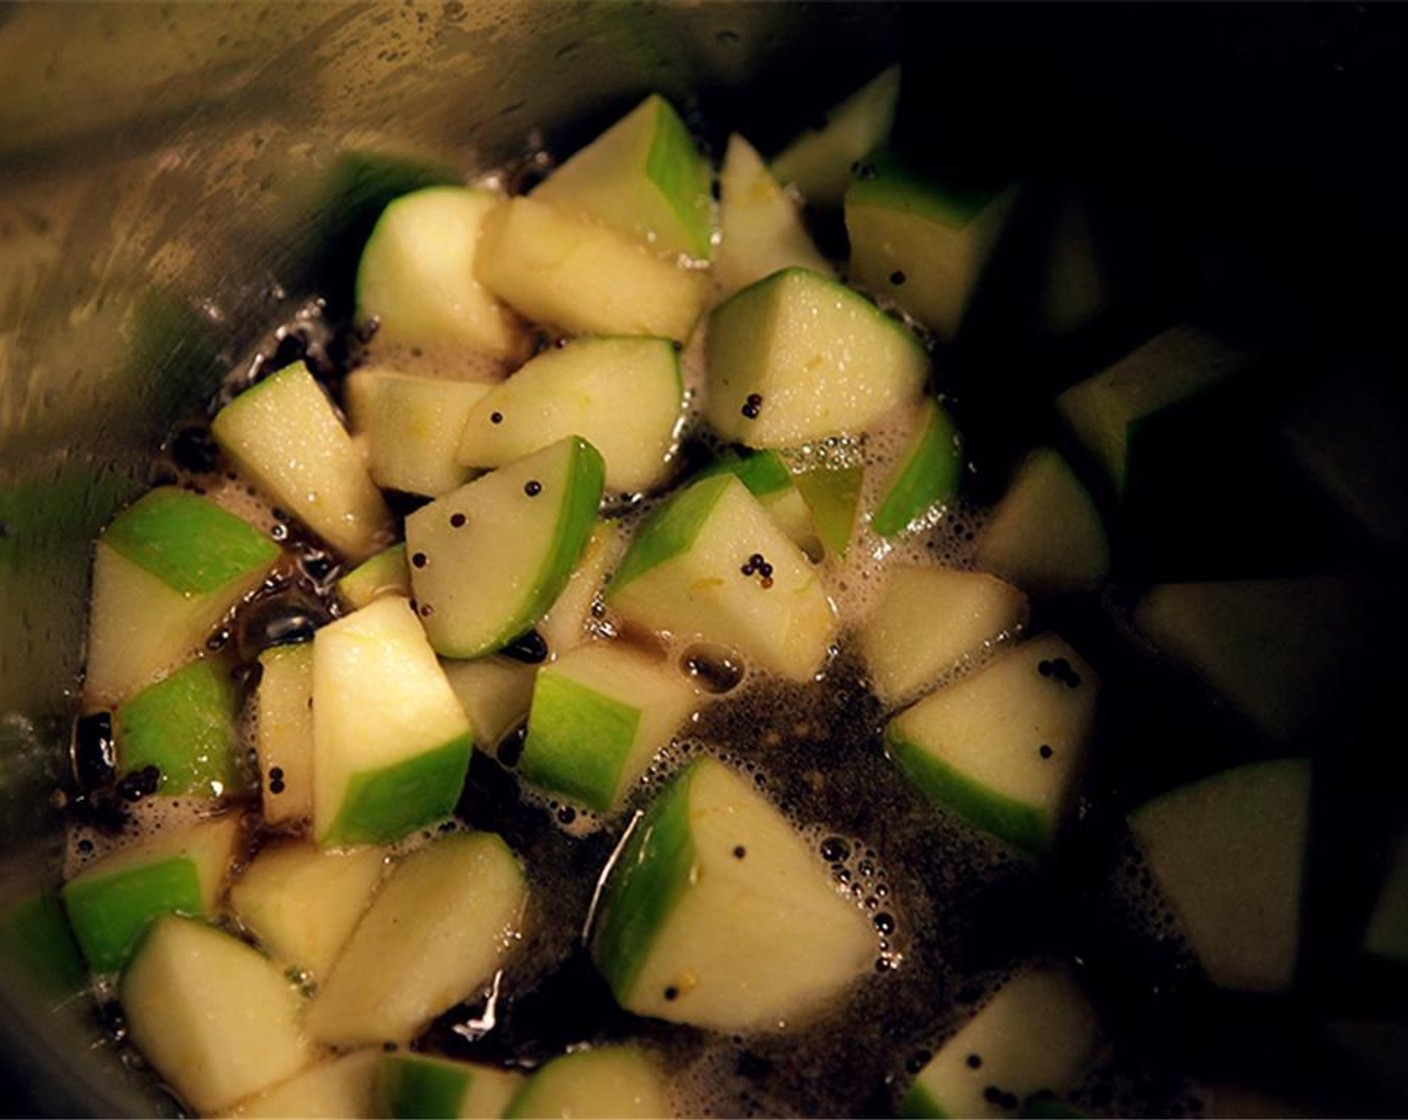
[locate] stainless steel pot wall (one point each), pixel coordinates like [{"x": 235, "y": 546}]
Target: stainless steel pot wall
[{"x": 173, "y": 180}]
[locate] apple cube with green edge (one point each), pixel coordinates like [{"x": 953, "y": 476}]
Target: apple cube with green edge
[
  {"x": 110, "y": 903},
  {"x": 1038, "y": 1034},
  {"x": 920, "y": 242},
  {"x": 769, "y": 480},
  {"x": 1045, "y": 534},
  {"x": 284, "y": 435},
  {"x": 301, "y": 902},
  {"x": 644, "y": 177},
  {"x": 1004, "y": 747},
  {"x": 495, "y": 693},
  {"x": 410, "y": 427},
  {"x": 1104, "y": 410},
  {"x": 409, "y": 1086},
  {"x": 624, "y": 396},
  {"x": 798, "y": 356},
  {"x": 416, "y": 279},
  {"x": 605, "y": 1082},
  {"x": 832, "y": 495},
  {"x": 441, "y": 925},
  {"x": 282, "y": 710},
  {"x": 716, "y": 913},
  {"x": 386, "y": 573},
  {"x": 217, "y": 1020},
  {"x": 184, "y": 725},
  {"x": 1386, "y": 935},
  {"x": 820, "y": 161},
  {"x": 600, "y": 713},
  {"x": 330, "y": 1090},
  {"x": 36, "y": 935},
  {"x": 568, "y": 621},
  {"x": 760, "y": 228},
  {"x": 929, "y": 622},
  {"x": 489, "y": 559},
  {"x": 391, "y": 743},
  {"x": 166, "y": 571},
  {"x": 927, "y": 472},
  {"x": 1276, "y": 649},
  {"x": 691, "y": 571},
  {"x": 569, "y": 273},
  {"x": 1228, "y": 854}
]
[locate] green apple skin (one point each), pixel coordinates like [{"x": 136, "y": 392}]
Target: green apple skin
[
  {"x": 385, "y": 573},
  {"x": 928, "y": 472},
  {"x": 763, "y": 472},
  {"x": 566, "y": 717},
  {"x": 184, "y": 726},
  {"x": 832, "y": 495},
  {"x": 382, "y": 806},
  {"x": 671, "y": 529}
]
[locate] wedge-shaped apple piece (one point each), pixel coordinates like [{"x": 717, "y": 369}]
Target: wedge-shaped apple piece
[
  {"x": 622, "y": 395},
  {"x": 820, "y": 161},
  {"x": 1228, "y": 853},
  {"x": 216, "y": 1020},
  {"x": 283, "y": 733},
  {"x": 1038, "y": 1034},
  {"x": 568, "y": 621},
  {"x": 921, "y": 242},
  {"x": 166, "y": 571},
  {"x": 600, "y": 713},
  {"x": 798, "y": 356},
  {"x": 438, "y": 929},
  {"x": 760, "y": 228},
  {"x": 926, "y": 473},
  {"x": 716, "y": 913},
  {"x": 411, "y": 426},
  {"x": 643, "y": 176},
  {"x": 332, "y": 1090},
  {"x": 301, "y": 902},
  {"x": 769, "y": 480},
  {"x": 495, "y": 693},
  {"x": 284, "y": 436},
  {"x": 832, "y": 494},
  {"x": 488, "y": 559},
  {"x": 609, "y": 1081},
  {"x": 386, "y": 573},
  {"x": 409, "y": 1086},
  {"x": 712, "y": 563},
  {"x": 184, "y": 726},
  {"x": 929, "y": 622},
  {"x": 112, "y": 902},
  {"x": 1045, "y": 534},
  {"x": 564, "y": 270},
  {"x": 1004, "y": 747},
  {"x": 391, "y": 743},
  {"x": 416, "y": 277},
  {"x": 1386, "y": 936}
]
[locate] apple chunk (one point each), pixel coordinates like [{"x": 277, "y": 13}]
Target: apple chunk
[
  {"x": 417, "y": 1085},
  {"x": 608, "y": 1081},
  {"x": 184, "y": 727}
]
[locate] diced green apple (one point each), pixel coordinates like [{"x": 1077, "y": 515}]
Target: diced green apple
[
  {"x": 184, "y": 725},
  {"x": 920, "y": 242},
  {"x": 570, "y": 273},
  {"x": 284, "y": 436},
  {"x": 283, "y": 733},
  {"x": 411, "y": 427},
  {"x": 927, "y": 472},
  {"x": 167, "y": 570},
  {"x": 622, "y": 395},
  {"x": 111, "y": 903},
  {"x": 644, "y": 177},
  {"x": 1004, "y": 747},
  {"x": 832, "y": 494},
  {"x": 1039, "y": 1033},
  {"x": 798, "y": 357},
  {"x": 606, "y": 1082},
  {"x": 216, "y": 1020},
  {"x": 1228, "y": 853},
  {"x": 391, "y": 743},
  {"x": 441, "y": 925},
  {"x": 820, "y": 161},
  {"x": 301, "y": 902},
  {"x": 410, "y": 1086},
  {"x": 495, "y": 693},
  {"x": 332, "y": 1090},
  {"x": 929, "y": 622},
  {"x": 567, "y": 622},
  {"x": 600, "y": 713},
  {"x": 718, "y": 914},
  {"x": 489, "y": 559},
  {"x": 386, "y": 573},
  {"x": 1045, "y": 534},
  {"x": 416, "y": 277},
  {"x": 1386, "y": 936},
  {"x": 760, "y": 228},
  {"x": 769, "y": 480},
  {"x": 690, "y": 571}
]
